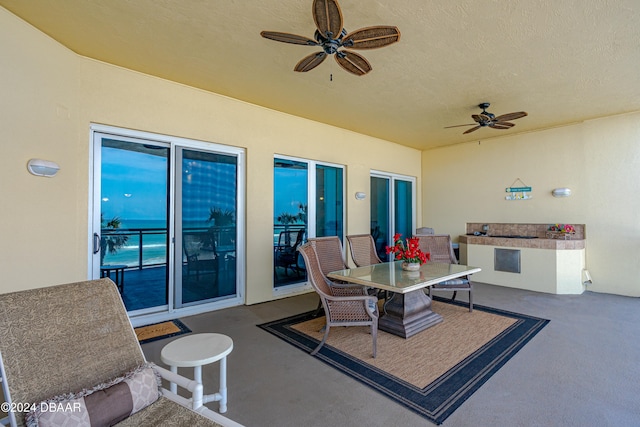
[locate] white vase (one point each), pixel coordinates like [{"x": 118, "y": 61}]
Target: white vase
[{"x": 411, "y": 266}]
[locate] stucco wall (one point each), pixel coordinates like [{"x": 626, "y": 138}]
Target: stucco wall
[
  {"x": 40, "y": 218},
  {"x": 50, "y": 97},
  {"x": 598, "y": 159},
  {"x": 45, "y": 221}
]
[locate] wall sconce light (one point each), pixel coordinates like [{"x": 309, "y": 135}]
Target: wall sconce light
[
  {"x": 561, "y": 192},
  {"x": 360, "y": 195},
  {"x": 40, "y": 167}
]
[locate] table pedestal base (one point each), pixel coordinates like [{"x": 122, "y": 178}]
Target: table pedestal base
[{"x": 407, "y": 314}]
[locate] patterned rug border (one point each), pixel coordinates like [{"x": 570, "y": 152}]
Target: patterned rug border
[
  {"x": 443, "y": 396},
  {"x": 184, "y": 329}
]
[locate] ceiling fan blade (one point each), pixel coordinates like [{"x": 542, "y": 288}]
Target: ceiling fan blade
[
  {"x": 288, "y": 38},
  {"x": 500, "y": 126},
  {"x": 479, "y": 118},
  {"x": 328, "y": 18},
  {"x": 372, "y": 37},
  {"x": 310, "y": 62},
  {"x": 353, "y": 63},
  {"x": 457, "y": 126},
  {"x": 511, "y": 116},
  {"x": 471, "y": 130},
  {"x": 505, "y": 124}
]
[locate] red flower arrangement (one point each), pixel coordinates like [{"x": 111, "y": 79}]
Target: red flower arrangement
[{"x": 408, "y": 250}]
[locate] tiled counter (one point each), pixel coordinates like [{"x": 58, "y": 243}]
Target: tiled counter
[
  {"x": 545, "y": 265},
  {"x": 523, "y": 243}
]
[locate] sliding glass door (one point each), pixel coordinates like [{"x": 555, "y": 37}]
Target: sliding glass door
[
  {"x": 206, "y": 227},
  {"x": 380, "y": 214},
  {"x": 131, "y": 242},
  {"x": 166, "y": 221},
  {"x": 308, "y": 202},
  {"x": 392, "y": 208},
  {"x": 403, "y": 207},
  {"x": 290, "y": 209},
  {"x": 329, "y": 201}
]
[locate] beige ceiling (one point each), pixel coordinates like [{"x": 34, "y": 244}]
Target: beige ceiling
[{"x": 562, "y": 61}]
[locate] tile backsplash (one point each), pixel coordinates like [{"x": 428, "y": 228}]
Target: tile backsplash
[{"x": 537, "y": 230}]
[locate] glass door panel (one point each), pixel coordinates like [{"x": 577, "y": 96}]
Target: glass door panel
[
  {"x": 133, "y": 191},
  {"x": 380, "y": 221},
  {"x": 392, "y": 209},
  {"x": 290, "y": 220},
  {"x": 206, "y": 227},
  {"x": 329, "y": 201},
  {"x": 403, "y": 207}
]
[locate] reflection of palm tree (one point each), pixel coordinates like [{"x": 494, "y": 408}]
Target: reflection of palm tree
[
  {"x": 111, "y": 242},
  {"x": 286, "y": 218},
  {"x": 221, "y": 218}
]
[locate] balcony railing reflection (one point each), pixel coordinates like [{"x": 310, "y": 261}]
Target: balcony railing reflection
[
  {"x": 147, "y": 247},
  {"x": 288, "y": 265},
  {"x": 279, "y": 228}
]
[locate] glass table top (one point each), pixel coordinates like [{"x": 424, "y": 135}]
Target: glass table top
[{"x": 391, "y": 277}]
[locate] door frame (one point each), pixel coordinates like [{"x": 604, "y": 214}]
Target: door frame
[
  {"x": 304, "y": 284},
  {"x": 93, "y": 268},
  {"x": 392, "y": 177}
]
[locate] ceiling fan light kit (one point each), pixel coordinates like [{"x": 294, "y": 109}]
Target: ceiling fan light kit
[
  {"x": 486, "y": 119},
  {"x": 332, "y": 37}
]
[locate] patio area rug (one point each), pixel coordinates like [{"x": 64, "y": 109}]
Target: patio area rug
[
  {"x": 433, "y": 372},
  {"x": 161, "y": 330}
]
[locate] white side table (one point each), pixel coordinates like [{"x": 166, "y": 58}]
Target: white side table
[{"x": 195, "y": 351}]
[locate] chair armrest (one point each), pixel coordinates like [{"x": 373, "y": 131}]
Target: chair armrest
[
  {"x": 351, "y": 298},
  {"x": 347, "y": 289},
  {"x": 340, "y": 285},
  {"x": 370, "y": 302}
]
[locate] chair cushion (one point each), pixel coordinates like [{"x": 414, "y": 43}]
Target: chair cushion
[
  {"x": 453, "y": 282},
  {"x": 103, "y": 405},
  {"x": 165, "y": 412}
]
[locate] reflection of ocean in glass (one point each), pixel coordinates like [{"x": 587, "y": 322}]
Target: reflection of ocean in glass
[{"x": 154, "y": 242}]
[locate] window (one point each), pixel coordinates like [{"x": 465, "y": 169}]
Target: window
[
  {"x": 308, "y": 202},
  {"x": 392, "y": 208}
]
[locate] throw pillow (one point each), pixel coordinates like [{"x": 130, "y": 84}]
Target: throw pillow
[{"x": 103, "y": 405}]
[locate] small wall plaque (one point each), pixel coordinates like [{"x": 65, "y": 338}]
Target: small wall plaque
[{"x": 518, "y": 193}]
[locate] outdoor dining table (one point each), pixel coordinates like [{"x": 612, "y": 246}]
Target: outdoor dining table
[{"x": 408, "y": 311}]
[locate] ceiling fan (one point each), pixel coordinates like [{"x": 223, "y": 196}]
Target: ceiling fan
[
  {"x": 331, "y": 36},
  {"x": 485, "y": 119}
]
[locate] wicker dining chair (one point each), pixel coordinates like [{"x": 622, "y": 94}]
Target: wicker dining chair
[
  {"x": 363, "y": 253},
  {"x": 331, "y": 258},
  {"x": 441, "y": 250},
  {"x": 363, "y": 250},
  {"x": 330, "y": 255},
  {"x": 340, "y": 310}
]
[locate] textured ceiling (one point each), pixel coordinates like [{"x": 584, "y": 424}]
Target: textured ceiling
[{"x": 563, "y": 61}]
